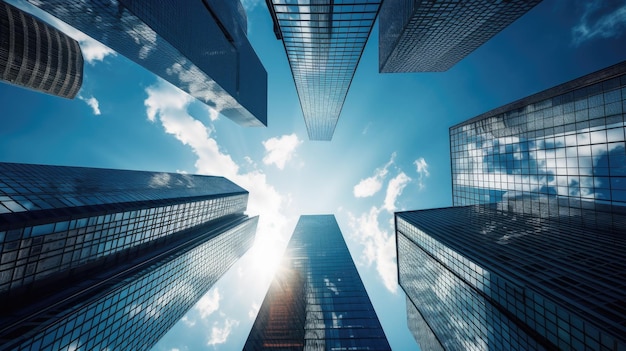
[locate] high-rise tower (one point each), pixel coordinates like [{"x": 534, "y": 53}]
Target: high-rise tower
[
  {"x": 200, "y": 46},
  {"x": 533, "y": 256},
  {"x": 110, "y": 259},
  {"x": 432, "y": 36},
  {"x": 565, "y": 143},
  {"x": 324, "y": 41},
  {"x": 481, "y": 277},
  {"x": 317, "y": 300},
  {"x": 36, "y": 55}
]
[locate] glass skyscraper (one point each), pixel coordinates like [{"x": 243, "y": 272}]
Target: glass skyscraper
[
  {"x": 201, "y": 47},
  {"x": 317, "y": 300},
  {"x": 565, "y": 143},
  {"x": 36, "y": 55},
  {"x": 532, "y": 257},
  {"x": 324, "y": 40},
  {"x": 484, "y": 278},
  {"x": 432, "y": 36},
  {"x": 99, "y": 259}
]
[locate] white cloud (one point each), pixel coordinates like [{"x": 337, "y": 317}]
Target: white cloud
[
  {"x": 254, "y": 310},
  {"x": 92, "y": 50},
  {"x": 280, "y": 150},
  {"x": 188, "y": 322},
  {"x": 93, "y": 103},
  {"x": 168, "y": 105},
  {"x": 219, "y": 335},
  {"x": 380, "y": 247},
  {"x": 394, "y": 189},
  {"x": 249, "y": 5},
  {"x": 422, "y": 171},
  {"x": 594, "y": 24},
  {"x": 213, "y": 113},
  {"x": 369, "y": 186},
  {"x": 209, "y": 303}
]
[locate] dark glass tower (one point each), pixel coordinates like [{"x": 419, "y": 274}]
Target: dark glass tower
[
  {"x": 432, "y": 36},
  {"x": 200, "y": 47},
  {"x": 487, "y": 278},
  {"x": 110, "y": 259},
  {"x": 317, "y": 300},
  {"x": 324, "y": 41},
  {"x": 534, "y": 256},
  {"x": 35, "y": 55}
]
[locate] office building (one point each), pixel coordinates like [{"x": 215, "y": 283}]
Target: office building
[
  {"x": 98, "y": 259},
  {"x": 324, "y": 41},
  {"x": 200, "y": 47},
  {"x": 432, "y": 36},
  {"x": 484, "y": 278},
  {"x": 564, "y": 144},
  {"x": 532, "y": 256},
  {"x": 36, "y": 55},
  {"x": 317, "y": 300}
]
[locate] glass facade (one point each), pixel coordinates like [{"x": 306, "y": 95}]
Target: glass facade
[
  {"x": 324, "y": 40},
  {"x": 317, "y": 300},
  {"x": 488, "y": 279},
  {"x": 432, "y": 36},
  {"x": 35, "y": 55},
  {"x": 532, "y": 256},
  {"x": 420, "y": 329},
  {"x": 565, "y": 144},
  {"x": 200, "y": 48},
  {"x": 100, "y": 258}
]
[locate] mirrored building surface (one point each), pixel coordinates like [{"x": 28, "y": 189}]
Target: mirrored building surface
[
  {"x": 564, "y": 144},
  {"x": 484, "y": 278},
  {"x": 200, "y": 47},
  {"x": 324, "y": 40},
  {"x": 317, "y": 300},
  {"x": 533, "y": 256},
  {"x": 432, "y": 36},
  {"x": 36, "y": 55},
  {"x": 97, "y": 259}
]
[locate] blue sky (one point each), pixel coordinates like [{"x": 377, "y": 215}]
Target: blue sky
[{"x": 390, "y": 150}]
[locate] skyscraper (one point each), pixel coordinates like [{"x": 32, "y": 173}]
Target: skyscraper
[
  {"x": 483, "y": 278},
  {"x": 324, "y": 40},
  {"x": 110, "y": 259},
  {"x": 317, "y": 300},
  {"x": 35, "y": 55},
  {"x": 566, "y": 141},
  {"x": 432, "y": 36},
  {"x": 533, "y": 256},
  {"x": 199, "y": 46}
]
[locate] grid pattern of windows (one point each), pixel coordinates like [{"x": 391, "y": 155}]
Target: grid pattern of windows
[
  {"x": 557, "y": 282},
  {"x": 34, "y": 252},
  {"x": 200, "y": 47},
  {"x": 36, "y": 55},
  {"x": 29, "y": 188},
  {"x": 420, "y": 329},
  {"x": 431, "y": 36},
  {"x": 75, "y": 238},
  {"x": 460, "y": 316},
  {"x": 324, "y": 40},
  {"x": 567, "y": 141},
  {"x": 333, "y": 310},
  {"x": 136, "y": 311}
]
